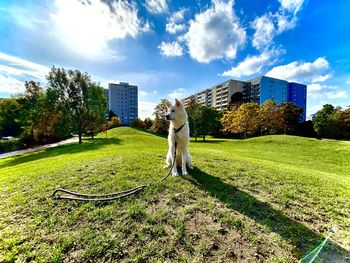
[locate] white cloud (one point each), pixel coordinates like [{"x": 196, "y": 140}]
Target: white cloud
[
  {"x": 264, "y": 31},
  {"x": 146, "y": 109},
  {"x": 87, "y": 26},
  {"x": 176, "y": 94},
  {"x": 157, "y": 6},
  {"x": 320, "y": 94},
  {"x": 313, "y": 89},
  {"x": 174, "y": 22},
  {"x": 155, "y": 92},
  {"x": 322, "y": 78},
  {"x": 12, "y": 65},
  {"x": 285, "y": 22},
  {"x": 319, "y": 91},
  {"x": 143, "y": 93},
  {"x": 269, "y": 25},
  {"x": 215, "y": 33},
  {"x": 174, "y": 28},
  {"x": 10, "y": 85},
  {"x": 312, "y": 109},
  {"x": 341, "y": 94},
  {"x": 172, "y": 49},
  {"x": 292, "y": 6},
  {"x": 178, "y": 16},
  {"x": 14, "y": 70},
  {"x": 287, "y": 14},
  {"x": 299, "y": 71},
  {"x": 253, "y": 64}
]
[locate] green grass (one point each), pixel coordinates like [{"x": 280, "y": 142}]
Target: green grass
[{"x": 266, "y": 199}]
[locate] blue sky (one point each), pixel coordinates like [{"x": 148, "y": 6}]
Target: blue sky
[{"x": 175, "y": 48}]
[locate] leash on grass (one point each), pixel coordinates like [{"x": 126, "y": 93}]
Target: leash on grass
[
  {"x": 113, "y": 196},
  {"x": 311, "y": 256}
]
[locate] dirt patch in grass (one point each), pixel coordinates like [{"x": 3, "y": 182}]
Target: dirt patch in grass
[{"x": 219, "y": 242}]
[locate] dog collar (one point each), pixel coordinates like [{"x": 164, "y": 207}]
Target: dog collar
[{"x": 179, "y": 129}]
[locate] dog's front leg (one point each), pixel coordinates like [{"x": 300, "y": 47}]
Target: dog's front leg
[
  {"x": 175, "y": 173},
  {"x": 184, "y": 161}
]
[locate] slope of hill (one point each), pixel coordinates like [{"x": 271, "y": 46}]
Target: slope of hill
[{"x": 270, "y": 198}]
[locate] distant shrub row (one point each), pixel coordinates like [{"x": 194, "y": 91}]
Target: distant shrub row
[{"x": 252, "y": 119}]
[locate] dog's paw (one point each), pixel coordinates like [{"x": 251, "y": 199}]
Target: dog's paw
[
  {"x": 185, "y": 173},
  {"x": 175, "y": 174},
  {"x": 190, "y": 167}
]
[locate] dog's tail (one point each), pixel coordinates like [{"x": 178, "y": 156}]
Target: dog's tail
[{"x": 189, "y": 161}]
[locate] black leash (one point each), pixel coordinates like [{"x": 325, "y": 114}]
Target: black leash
[{"x": 112, "y": 196}]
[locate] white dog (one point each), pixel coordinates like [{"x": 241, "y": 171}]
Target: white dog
[{"x": 179, "y": 131}]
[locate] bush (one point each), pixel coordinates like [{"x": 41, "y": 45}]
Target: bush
[
  {"x": 114, "y": 122},
  {"x": 148, "y": 123},
  {"x": 9, "y": 146},
  {"x": 137, "y": 123}
]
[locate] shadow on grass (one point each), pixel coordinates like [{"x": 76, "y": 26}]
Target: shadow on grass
[
  {"x": 72, "y": 148},
  {"x": 301, "y": 237}
]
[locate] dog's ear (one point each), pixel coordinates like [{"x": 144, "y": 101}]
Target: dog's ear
[
  {"x": 178, "y": 103},
  {"x": 167, "y": 104}
]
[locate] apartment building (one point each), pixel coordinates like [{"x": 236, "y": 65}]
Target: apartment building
[
  {"x": 217, "y": 96},
  {"x": 257, "y": 90},
  {"x": 297, "y": 95},
  {"x": 123, "y": 101}
]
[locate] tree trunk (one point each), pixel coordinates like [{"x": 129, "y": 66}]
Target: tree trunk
[{"x": 80, "y": 135}]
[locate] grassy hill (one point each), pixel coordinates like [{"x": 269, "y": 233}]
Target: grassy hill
[{"x": 266, "y": 199}]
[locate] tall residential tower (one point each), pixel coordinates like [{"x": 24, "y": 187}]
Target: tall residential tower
[{"x": 122, "y": 100}]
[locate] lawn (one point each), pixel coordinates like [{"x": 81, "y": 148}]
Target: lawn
[{"x": 265, "y": 199}]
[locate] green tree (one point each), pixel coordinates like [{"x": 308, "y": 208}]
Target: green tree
[
  {"x": 114, "y": 122},
  {"x": 77, "y": 100},
  {"x": 160, "y": 125},
  {"x": 338, "y": 126},
  {"x": 9, "y": 117},
  {"x": 207, "y": 121},
  {"x": 244, "y": 119},
  {"x": 137, "y": 123},
  {"x": 271, "y": 118},
  {"x": 346, "y": 118},
  {"x": 148, "y": 123},
  {"x": 193, "y": 118},
  {"x": 49, "y": 120},
  {"x": 94, "y": 109},
  {"x": 31, "y": 101},
  {"x": 322, "y": 120},
  {"x": 292, "y": 115}
]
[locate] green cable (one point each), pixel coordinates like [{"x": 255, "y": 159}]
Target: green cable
[{"x": 309, "y": 258}]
